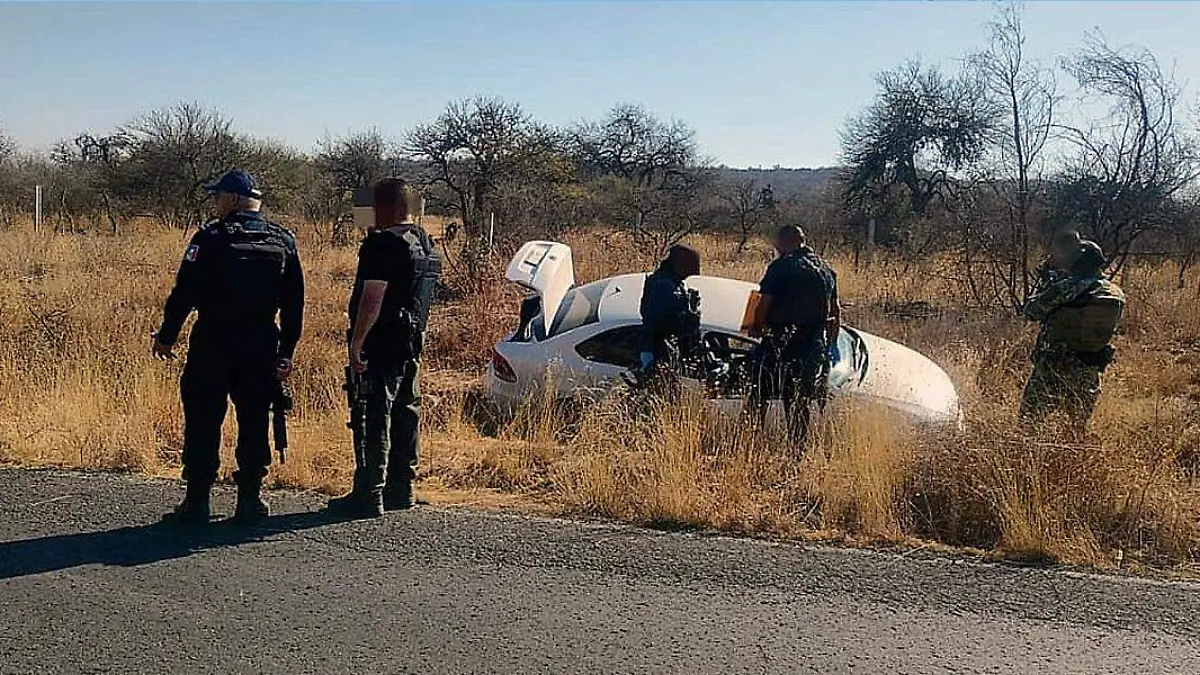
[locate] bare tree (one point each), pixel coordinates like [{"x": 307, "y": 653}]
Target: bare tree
[
  {"x": 648, "y": 172},
  {"x": 1129, "y": 167},
  {"x": 1025, "y": 96},
  {"x": 346, "y": 164},
  {"x": 750, "y": 204},
  {"x": 9, "y": 189},
  {"x": 632, "y": 143},
  {"x": 922, "y": 128},
  {"x": 175, "y": 152},
  {"x": 94, "y": 164},
  {"x": 476, "y": 146},
  {"x": 8, "y": 148}
]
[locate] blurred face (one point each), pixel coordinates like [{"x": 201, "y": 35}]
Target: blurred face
[
  {"x": 223, "y": 204},
  {"x": 1062, "y": 250},
  {"x": 1062, "y": 254},
  {"x": 688, "y": 266},
  {"x": 785, "y": 243},
  {"x": 364, "y": 217},
  {"x": 386, "y": 215}
]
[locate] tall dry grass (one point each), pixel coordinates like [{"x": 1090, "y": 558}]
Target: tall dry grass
[{"x": 78, "y": 389}]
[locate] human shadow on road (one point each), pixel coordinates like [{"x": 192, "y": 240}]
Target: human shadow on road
[{"x": 141, "y": 545}]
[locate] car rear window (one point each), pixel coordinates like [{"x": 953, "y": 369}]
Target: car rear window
[
  {"x": 579, "y": 307},
  {"x": 618, "y": 347}
]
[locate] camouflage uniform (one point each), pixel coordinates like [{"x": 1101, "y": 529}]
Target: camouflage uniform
[{"x": 1079, "y": 315}]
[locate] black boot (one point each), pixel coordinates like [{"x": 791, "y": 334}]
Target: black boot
[
  {"x": 195, "y": 508},
  {"x": 398, "y": 496},
  {"x": 364, "y": 500},
  {"x": 358, "y": 503},
  {"x": 251, "y": 507}
]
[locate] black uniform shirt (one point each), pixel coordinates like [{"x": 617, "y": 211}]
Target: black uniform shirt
[
  {"x": 384, "y": 257},
  {"x": 801, "y": 286},
  {"x": 238, "y": 273},
  {"x": 665, "y": 312}
]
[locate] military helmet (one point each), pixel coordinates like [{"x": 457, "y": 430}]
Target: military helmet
[{"x": 1088, "y": 260}]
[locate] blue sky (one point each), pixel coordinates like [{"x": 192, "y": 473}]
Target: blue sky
[{"x": 762, "y": 83}]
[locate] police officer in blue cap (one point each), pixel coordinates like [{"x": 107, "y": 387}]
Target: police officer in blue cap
[{"x": 239, "y": 272}]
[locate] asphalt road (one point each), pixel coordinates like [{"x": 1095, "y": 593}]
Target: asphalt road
[{"x": 90, "y": 583}]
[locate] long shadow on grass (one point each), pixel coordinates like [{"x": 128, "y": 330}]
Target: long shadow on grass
[{"x": 141, "y": 545}]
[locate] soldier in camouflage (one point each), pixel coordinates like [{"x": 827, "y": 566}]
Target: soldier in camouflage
[{"x": 1079, "y": 314}]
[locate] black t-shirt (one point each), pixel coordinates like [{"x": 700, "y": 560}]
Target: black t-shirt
[
  {"x": 384, "y": 257},
  {"x": 801, "y": 286}
]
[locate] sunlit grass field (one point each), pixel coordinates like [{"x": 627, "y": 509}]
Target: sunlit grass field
[{"x": 78, "y": 388}]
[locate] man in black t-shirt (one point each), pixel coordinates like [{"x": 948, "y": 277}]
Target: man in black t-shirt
[
  {"x": 398, "y": 268},
  {"x": 797, "y": 317}
]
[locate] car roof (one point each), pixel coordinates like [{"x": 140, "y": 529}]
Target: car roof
[{"x": 723, "y": 302}]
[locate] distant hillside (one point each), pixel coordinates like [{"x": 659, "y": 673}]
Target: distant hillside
[{"x": 785, "y": 182}]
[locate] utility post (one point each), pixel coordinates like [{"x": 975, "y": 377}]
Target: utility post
[{"x": 37, "y": 208}]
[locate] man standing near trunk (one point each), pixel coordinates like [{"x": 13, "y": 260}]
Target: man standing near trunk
[
  {"x": 398, "y": 268},
  {"x": 670, "y": 321}
]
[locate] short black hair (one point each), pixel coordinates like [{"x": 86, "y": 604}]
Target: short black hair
[
  {"x": 683, "y": 260},
  {"x": 792, "y": 232},
  {"x": 396, "y": 192}
]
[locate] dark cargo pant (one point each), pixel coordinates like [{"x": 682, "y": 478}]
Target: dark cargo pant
[
  {"x": 221, "y": 367},
  {"x": 790, "y": 365},
  {"x": 385, "y": 423},
  {"x": 1060, "y": 384}
]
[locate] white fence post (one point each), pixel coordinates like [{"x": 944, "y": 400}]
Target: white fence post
[
  {"x": 37, "y": 208},
  {"x": 491, "y": 231}
]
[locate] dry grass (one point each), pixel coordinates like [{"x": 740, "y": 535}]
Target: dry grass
[{"x": 78, "y": 389}]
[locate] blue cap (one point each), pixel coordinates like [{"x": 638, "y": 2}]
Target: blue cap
[{"x": 236, "y": 182}]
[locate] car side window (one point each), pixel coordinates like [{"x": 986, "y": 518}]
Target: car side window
[
  {"x": 618, "y": 347},
  {"x": 725, "y": 345}
]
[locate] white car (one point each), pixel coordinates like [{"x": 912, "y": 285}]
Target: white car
[{"x": 581, "y": 340}]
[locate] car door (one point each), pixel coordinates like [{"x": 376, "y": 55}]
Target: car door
[{"x": 610, "y": 352}]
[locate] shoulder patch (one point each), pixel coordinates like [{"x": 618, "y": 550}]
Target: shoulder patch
[{"x": 191, "y": 253}]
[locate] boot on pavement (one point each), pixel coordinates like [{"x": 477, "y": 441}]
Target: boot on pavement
[
  {"x": 398, "y": 496},
  {"x": 251, "y": 507},
  {"x": 195, "y": 509},
  {"x": 357, "y": 504}
]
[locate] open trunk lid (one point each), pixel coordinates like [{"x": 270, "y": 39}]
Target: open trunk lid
[{"x": 547, "y": 269}]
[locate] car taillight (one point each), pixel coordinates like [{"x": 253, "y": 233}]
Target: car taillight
[{"x": 502, "y": 368}]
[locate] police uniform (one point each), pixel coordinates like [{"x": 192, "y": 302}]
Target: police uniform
[
  {"x": 670, "y": 322},
  {"x": 791, "y": 362},
  {"x": 238, "y": 273},
  {"x": 1079, "y": 315},
  {"x": 385, "y": 415}
]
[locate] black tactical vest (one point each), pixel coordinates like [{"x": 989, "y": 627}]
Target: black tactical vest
[
  {"x": 424, "y": 272},
  {"x": 810, "y": 287},
  {"x": 249, "y": 265}
]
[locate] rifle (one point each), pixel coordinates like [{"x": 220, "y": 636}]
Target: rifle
[
  {"x": 281, "y": 405},
  {"x": 353, "y": 388}
]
